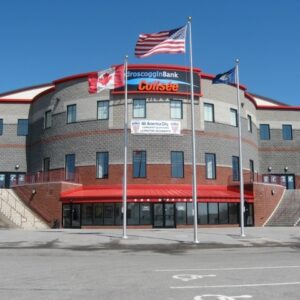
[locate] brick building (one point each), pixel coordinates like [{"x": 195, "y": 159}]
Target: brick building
[{"x": 61, "y": 150}]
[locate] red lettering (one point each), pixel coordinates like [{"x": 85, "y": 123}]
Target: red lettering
[{"x": 157, "y": 86}]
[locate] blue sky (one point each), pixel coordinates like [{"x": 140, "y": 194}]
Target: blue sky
[{"x": 43, "y": 40}]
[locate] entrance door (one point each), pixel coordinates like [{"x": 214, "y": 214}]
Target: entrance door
[
  {"x": 164, "y": 215},
  {"x": 75, "y": 216}
]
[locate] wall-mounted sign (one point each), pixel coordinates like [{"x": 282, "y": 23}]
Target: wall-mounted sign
[
  {"x": 155, "y": 127},
  {"x": 165, "y": 81}
]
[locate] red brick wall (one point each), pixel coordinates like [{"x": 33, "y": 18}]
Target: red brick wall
[
  {"x": 45, "y": 202},
  {"x": 265, "y": 201}
]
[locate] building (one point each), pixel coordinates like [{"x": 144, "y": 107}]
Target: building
[{"x": 61, "y": 150}]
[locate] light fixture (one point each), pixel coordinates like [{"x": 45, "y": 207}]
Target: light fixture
[
  {"x": 269, "y": 168},
  {"x": 33, "y": 192},
  {"x": 17, "y": 166},
  {"x": 286, "y": 169},
  {"x": 272, "y": 192}
]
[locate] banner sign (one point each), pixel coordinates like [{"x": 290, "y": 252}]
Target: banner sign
[
  {"x": 155, "y": 127},
  {"x": 156, "y": 81}
]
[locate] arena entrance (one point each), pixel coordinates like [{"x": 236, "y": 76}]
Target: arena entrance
[{"x": 164, "y": 215}]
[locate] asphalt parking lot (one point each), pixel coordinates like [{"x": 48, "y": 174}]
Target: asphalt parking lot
[{"x": 150, "y": 264}]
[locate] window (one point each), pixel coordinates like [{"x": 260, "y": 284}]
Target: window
[
  {"x": 176, "y": 109},
  {"x": 139, "y": 164},
  {"x": 139, "y": 108},
  {"x": 103, "y": 110},
  {"x": 46, "y": 168},
  {"x": 287, "y": 132},
  {"x": 213, "y": 213},
  {"x": 102, "y": 164},
  {"x": 180, "y": 213},
  {"x": 22, "y": 127},
  {"x": 71, "y": 113},
  {"x": 249, "y": 123},
  {"x": 209, "y": 114},
  {"x": 70, "y": 167},
  {"x": 264, "y": 131},
  {"x": 235, "y": 168},
  {"x": 233, "y": 117},
  {"x": 223, "y": 213},
  {"x": 48, "y": 119},
  {"x": 210, "y": 165},
  {"x": 177, "y": 164},
  {"x": 1, "y": 126}
]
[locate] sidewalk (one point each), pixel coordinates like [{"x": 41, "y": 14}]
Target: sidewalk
[{"x": 111, "y": 239}]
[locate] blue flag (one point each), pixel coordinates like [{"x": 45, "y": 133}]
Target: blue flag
[{"x": 227, "y": 77}]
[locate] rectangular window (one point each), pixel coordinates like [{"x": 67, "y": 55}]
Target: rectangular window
[
  {"x": 209, "y": 114},
  {"x": 235, "y": 168},
  {"x": 210, "y": 165},
  {"x": 98, "y": 213},
  {"x": 102, "y": 164},
  {"x": 176, "y": 109},
  {"x": 223, "y": 213},
  {"x": 22, "y": 129},
  {"x": 180, "y": 213},
  {"x": 1, "y": 126},
  {"x": 233, "y": 117},
  {"x": 264, "y": 131},
  {"x": 145, "y": 213},
  {"x": 71, "y": 113},
  {"x": 249, "y": 123},
  {"x": 70, "y": 167},
  {"x": 133, "y": 213},
  {"x": 177, "y": 164},
  {"x": 46, "y": 164},
  {"x": 48, "y": 119},
  {"x": 139, "y": 108},
  {"x": 87, "y": 214},
  {"x": 202, "y": 213},
  {"x": 287, "y": 132},
  {"x": 102, "y": 110},
  {"x": 213, "y": 213},
  {"x": 139, "y": 164}
]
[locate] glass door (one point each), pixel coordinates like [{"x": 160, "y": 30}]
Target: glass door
[
  {"x": 169, "y": 216},
  {"x": 164, "y": 215},
  {"x": 75, "y": 217},
  {"x": 158, "y": 215}
]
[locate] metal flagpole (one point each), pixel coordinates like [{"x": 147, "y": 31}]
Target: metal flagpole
[
  {"x": 124, "y": 208},
  {"x": 194, "y": 176},
  {"x": 242, "y": 205}
]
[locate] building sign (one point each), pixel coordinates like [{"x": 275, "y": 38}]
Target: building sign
[
  {"x": 155, "y": 127},
  {"x": 165, "y": 81}
]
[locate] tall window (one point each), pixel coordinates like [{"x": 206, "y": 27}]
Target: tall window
[
  {"x": 176, "y": 109},
  {"x": 177, "y": 164},
  {"x": 71, "y": 113},
  {"x": 139, "y": 164},
  {"x": 249, "y": 123},
  {"x": 209, "y": 114},
  {"x": 235, "y": 168},
  {"x": 233, "y": 117},
  {"x": 210, "y": 165},
  {"x": 48, "y": 119},
  {"x": 103, "y": 110},
  {"x": 287, "y": 132},
  {"x": 251, "y": 167},
  {"x": 264, "y": 131},
  {"x": 22, "y": 127},
  {"x": 1, "y": 126},
  {"x": 70, "y": 167},
  {"x": 102, "y": 164},
  {"x": 46, "y": 164},
  {"x": 139, "y": 108}
]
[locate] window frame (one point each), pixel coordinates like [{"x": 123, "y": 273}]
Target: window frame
[
  {"x": 235, "y": 162},
  {"x": 212, "y": 112},
  {"x": 214, "y": 166},
  {"x": 67, "y": 171},
  {"x": 234, "y": 113},
  {"x": 1, "y": 126},
  {"x": 172, "y": 101},
  {"x": 69, "y": 111},
  {"x": 20, "y": 129},
  {"x": 133, "y": 108},
  {"x": 249, "y": 118},
  {"x": 47, "y": 117},
  {"x": 142, "y": 162},
  {"x": 98, "y": 107},
  {"x": 287, "y": 135},
  {"x": 106, "y": 164},
  {"x": 174, "y": 165},
  {"x": 264, "y": 135}
]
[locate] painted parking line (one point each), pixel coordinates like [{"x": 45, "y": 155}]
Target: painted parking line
[
  {"x": 228, "y": 269},
  {"x": 235, "y": 285}
]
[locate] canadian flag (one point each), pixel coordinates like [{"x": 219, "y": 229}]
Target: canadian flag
[{"x": 106, "y": 80}]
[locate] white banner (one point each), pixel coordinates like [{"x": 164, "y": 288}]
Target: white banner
[{"x": 155, "y": 127}]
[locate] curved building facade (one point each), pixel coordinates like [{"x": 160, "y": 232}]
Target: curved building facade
[{"x": 61, "y": 133}]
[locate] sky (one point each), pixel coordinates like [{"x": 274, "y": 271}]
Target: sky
[{"x": 44, "y": 40}]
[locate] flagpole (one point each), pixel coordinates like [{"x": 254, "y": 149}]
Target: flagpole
[
  {"x": 242, "y": 205},
  {"x": 194, "y": 176},
  {"x": 124, "y": 208}
]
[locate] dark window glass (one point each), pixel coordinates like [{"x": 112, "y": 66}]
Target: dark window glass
[
  {"x": 46, "y": 164},
  {"x": 177, "y": 164},
  {"x": 67, "y": 210},
  {"x": 71, "y": 113},
  {"x": 102, "y": 164},
  {"x": 139, "y": 164},
  {"x": 48, "y": 119},
  {"x": 108, "y": 213},
  {"x": 118, "y": 214},
  {"x": 145, "y": 214},
  {"x": 133, "y": 214},
  {"x": 87, "y": 214},
  {"x": 202, "y": 213},
  {"x": 249, "y": 123},
  {"x": 22, "y": 127},
  {"x": 233, "y": 117},
  {"x": 176, "y": 109},
  {"x": 287, "y": 132},
  {"x": 210, "y": 165},
  {"x": 70, "y": 167},
  {"x": 264, "y": 131},
  {"x": 98, "y": 214},
  {"x": 180, "y": 213},
  {"x": 251, "y": 167},
  {"x": 139, "y": 108},
  {"x": 1, "y": 126},
  {"x": 190, "y": 216},
  {"x": 213, "y": 213},
  {"x": 209, "y": 114},
  {"x": 235, "y": 168},
  {"x": 233, "y": 213},
  {"x": 103, "y": 110},
  {"x": 223, "y": 213}
]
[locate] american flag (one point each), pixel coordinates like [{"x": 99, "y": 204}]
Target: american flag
[{"x": 169, "y": 42}]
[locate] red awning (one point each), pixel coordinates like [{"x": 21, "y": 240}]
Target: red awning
[{"x": 153, "y": 193}]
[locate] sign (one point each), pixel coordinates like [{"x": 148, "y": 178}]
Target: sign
[
  {"x": 158, "y": 80},
  {"x": 155, "y": 127}
]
